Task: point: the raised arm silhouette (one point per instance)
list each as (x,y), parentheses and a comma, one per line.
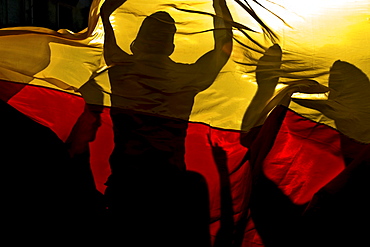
(347,103)
(144,191)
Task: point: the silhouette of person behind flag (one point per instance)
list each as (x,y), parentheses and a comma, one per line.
(152,97)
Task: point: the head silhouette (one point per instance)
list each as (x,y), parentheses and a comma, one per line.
(156,35)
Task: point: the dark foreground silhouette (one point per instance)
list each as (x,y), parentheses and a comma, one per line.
(45,196)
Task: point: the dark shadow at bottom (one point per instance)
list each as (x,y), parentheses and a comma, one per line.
(47,198)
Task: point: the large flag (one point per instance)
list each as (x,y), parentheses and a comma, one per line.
(251,129)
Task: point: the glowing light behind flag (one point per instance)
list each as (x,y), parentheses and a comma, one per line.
(319,33)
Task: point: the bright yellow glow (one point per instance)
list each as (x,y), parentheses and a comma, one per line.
(320,32)
(305,8)
(97,38)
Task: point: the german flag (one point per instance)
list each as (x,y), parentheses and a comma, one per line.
(198,123)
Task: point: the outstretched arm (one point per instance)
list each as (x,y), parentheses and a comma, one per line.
(223,28)
(112,52)
(214,60)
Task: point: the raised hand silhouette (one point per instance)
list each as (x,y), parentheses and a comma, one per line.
(347,104)
(267,77)
(268,73)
